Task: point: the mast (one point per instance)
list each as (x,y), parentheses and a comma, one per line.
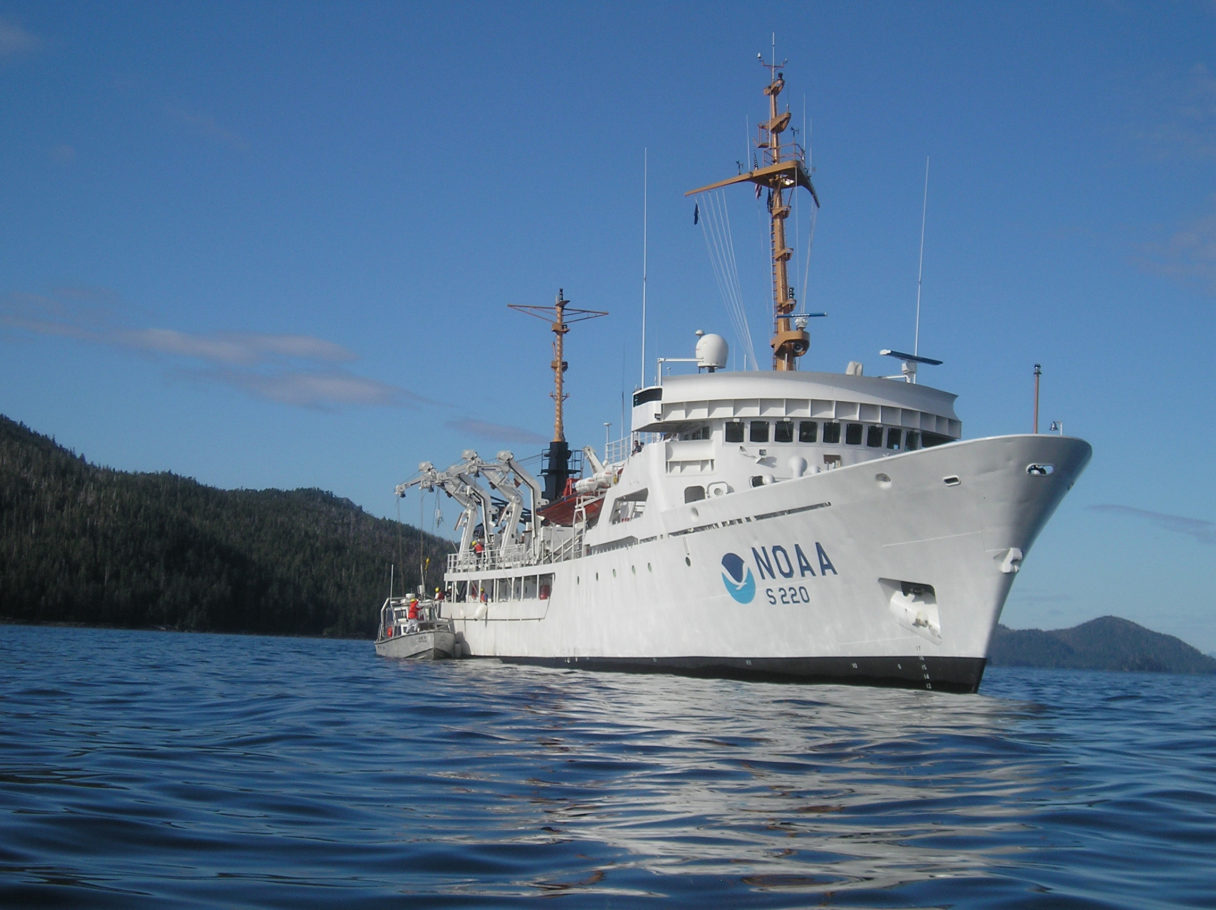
(782,169)
(557,469)
(559,365)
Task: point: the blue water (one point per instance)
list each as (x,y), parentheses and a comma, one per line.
(159,769)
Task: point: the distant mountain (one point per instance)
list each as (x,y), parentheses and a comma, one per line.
(1108,643)
(90,545)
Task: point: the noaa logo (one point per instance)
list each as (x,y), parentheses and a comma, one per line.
(738,579)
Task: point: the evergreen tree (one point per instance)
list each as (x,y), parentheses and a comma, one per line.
(90,545)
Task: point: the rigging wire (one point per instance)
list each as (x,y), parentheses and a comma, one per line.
(719,244)
(720,247)
(813,220)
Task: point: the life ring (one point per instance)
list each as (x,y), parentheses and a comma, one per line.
(544,592)
(388,633)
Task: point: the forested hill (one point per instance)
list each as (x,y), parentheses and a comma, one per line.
(85,544)
(1108,643)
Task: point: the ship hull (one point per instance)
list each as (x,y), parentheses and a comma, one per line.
(889,572)
(944,674)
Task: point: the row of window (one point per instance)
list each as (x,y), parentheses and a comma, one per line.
(873,436)
(525,587)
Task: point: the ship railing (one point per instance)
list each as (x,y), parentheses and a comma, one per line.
(570,548)
(786,151)
(617,450)
(395,614)
(492,558)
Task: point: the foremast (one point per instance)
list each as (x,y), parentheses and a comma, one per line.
(557,456)
(781,169)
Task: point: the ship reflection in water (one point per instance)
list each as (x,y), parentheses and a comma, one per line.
(676,787)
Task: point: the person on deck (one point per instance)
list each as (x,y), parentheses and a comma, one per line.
(412,615)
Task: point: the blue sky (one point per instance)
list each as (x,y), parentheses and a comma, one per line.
(272,244)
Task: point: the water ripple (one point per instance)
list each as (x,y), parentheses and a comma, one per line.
(195,770)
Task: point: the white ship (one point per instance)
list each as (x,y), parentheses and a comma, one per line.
(773,524)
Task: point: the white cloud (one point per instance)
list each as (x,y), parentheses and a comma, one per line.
(1199,112)
(496,432)
(15,40)
(72,313)
(1202,530)
(207,127)
(1189,254)
(234,347)
(1188,129)
(287,368)
(310,389)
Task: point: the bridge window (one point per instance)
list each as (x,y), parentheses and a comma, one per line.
(893,435)
(913,440)
(642,396)
(874,437)
(734,431)
(783,431)
(852,434)
(759,431)
(831,432)
(935,439)
(808,431)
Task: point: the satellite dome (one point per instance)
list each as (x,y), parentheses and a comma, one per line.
(711,352)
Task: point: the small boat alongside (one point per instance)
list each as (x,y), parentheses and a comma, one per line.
(411,630)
